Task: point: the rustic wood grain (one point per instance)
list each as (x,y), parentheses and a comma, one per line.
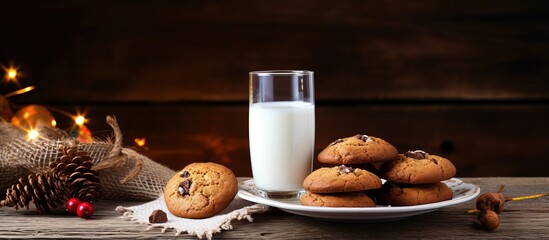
(203,50)
(465,80)
(521,219)
(480,139)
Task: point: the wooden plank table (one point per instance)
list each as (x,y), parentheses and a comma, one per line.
(521,219)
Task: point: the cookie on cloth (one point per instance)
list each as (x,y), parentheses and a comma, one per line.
(200,190)
(340,179)
(357,149)
(417,167)
(410,195)
(352,199)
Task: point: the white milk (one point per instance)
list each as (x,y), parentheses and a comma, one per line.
(281,144)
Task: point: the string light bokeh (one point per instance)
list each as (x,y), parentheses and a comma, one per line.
(11,73)
(34,118)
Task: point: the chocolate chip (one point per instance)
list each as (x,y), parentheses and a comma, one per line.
(184,174)
(158,216)
(337,141)
(362,137)
(345,170)
(417,154)
(184,188)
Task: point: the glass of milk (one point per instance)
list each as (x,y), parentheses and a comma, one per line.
(282,131)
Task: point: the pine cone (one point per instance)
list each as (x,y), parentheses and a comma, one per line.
(45,189)
(82,182)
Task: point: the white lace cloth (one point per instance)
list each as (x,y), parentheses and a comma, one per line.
(238,209)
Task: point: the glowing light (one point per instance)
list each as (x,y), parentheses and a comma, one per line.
(53,123)
(32,117)
(140,141)
(80,120)
(20,91)
(12,73)
(33,134)
(83,134)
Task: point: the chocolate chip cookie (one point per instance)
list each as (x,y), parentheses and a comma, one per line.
(358,149)
(340,179)
(409,195)
(353,199)
(417,167)
(200,190)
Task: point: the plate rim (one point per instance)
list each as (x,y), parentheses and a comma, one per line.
(287,205)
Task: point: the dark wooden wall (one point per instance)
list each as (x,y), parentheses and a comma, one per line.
(467,80)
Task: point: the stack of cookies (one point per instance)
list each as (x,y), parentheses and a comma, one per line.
(412,178)
(346,184)
(415,178)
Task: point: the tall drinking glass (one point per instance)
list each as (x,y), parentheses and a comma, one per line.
(282,131)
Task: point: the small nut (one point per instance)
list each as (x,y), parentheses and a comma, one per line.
(491,201)
(489,219)
(158,216)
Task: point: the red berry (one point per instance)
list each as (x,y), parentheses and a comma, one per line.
(85,210)
(72,204)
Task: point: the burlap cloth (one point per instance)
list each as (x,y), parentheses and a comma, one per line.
(238,209)
(124,174)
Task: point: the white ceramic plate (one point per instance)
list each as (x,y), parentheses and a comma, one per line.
(463,192)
